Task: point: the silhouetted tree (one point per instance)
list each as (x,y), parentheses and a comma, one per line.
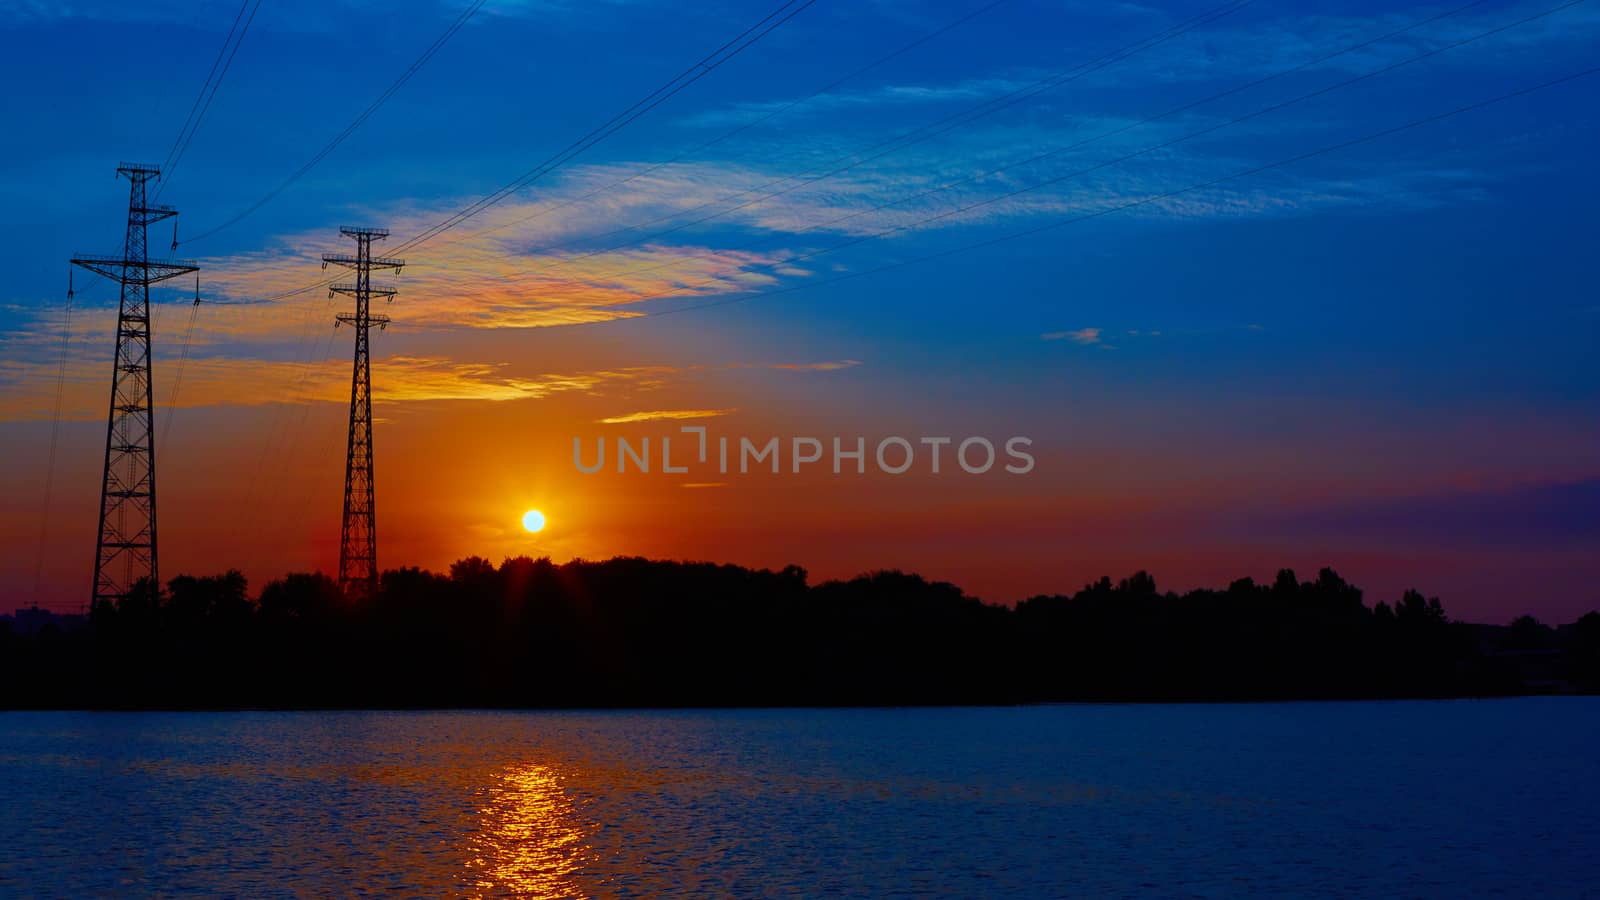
(632,631)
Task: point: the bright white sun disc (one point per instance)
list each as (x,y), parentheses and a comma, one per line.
(533,520)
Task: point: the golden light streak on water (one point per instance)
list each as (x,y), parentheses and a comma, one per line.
(531,842)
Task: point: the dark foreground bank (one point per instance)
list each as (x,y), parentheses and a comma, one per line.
(641,633)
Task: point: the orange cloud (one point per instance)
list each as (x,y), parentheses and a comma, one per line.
(667,414)
(480,280)
(253,382)
(819,366)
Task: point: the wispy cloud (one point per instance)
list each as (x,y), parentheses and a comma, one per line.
(525,264)
(27,386)
(832,366)
(29,394)
(713,227)
(658,414)
(1258,47)
(1084,336)
(878,97)
(486,281)
(557,261)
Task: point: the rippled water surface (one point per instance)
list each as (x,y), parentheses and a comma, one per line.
(1445,799)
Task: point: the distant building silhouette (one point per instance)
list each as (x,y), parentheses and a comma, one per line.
(30,621)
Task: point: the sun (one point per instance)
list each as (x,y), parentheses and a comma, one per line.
(533,520)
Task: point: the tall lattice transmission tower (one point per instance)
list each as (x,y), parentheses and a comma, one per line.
(125,549)
(358,537)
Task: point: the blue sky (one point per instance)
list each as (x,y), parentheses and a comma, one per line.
(1380,358)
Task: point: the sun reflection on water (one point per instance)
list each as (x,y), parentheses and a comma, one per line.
(530,842)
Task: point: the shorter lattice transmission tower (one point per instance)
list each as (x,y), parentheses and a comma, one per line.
(125,548)
(358,537)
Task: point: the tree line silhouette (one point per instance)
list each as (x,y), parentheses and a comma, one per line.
(637,632)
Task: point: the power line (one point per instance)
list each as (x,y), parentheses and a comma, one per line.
(273,507)
(306,357)
(735,132)
(771,22)
(284,428)
(811,255)
(1120,130)
(926,132)
(1143,201)
(416,65)
(180,146)
(895,144)
(689,76)
(170,167)
(744,40)
(183,358)
(55,431)
(399,82)
(1135,154)
(195,106)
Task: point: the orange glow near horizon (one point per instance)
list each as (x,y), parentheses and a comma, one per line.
(465,449)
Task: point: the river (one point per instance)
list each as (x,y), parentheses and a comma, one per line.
(1445,798)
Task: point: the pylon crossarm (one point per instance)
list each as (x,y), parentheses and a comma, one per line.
(352,289)
(118,268)
(355,262)
(154,214)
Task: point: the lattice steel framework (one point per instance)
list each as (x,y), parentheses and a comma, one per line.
(125,548)
(358,537)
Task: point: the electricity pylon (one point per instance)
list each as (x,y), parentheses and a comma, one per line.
(125,548)
(358,537)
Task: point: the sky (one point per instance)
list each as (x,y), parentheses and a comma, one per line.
(1264,284)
